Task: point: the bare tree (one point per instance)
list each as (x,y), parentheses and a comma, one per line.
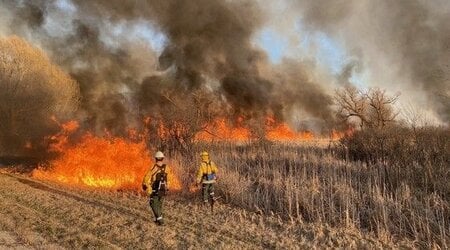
(175,114)
(373,108)
(187,115)
(352,103)
(414,117)
(381,111)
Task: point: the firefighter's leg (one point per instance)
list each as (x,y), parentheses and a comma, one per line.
(205,192)
(211,196)
(155,204)
(211,191)
(160,219)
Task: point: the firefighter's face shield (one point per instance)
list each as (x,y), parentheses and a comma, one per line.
(205,158)
(159,159)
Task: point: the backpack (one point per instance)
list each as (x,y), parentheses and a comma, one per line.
(159,186)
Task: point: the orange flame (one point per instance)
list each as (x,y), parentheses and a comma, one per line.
(28,145)
(61,140)
(220,129)
(194,188)
(337,135)
(113,163)
(282,132)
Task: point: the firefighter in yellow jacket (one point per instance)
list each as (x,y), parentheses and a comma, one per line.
(156,185)
(207,176)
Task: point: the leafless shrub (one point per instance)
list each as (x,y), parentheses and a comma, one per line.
(418,156)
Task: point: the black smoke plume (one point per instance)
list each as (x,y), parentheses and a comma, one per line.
(208,47)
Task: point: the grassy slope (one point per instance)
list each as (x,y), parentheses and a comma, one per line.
(45,215)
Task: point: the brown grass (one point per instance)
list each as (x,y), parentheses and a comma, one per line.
(398,189)
(44,215)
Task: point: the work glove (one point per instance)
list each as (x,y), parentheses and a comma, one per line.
(144,187)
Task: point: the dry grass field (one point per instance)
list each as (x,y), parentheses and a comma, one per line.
(392,183)
(384,189)
(43,215)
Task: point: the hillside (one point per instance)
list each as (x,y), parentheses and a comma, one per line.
(42,215)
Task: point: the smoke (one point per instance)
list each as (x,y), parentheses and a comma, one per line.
(209,40)
(213,40)
(208,47)
(405,44)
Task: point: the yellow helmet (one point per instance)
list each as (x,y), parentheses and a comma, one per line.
(204,153)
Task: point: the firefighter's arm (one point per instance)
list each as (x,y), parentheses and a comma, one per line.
(215,169)
(146,181)
(199,174)
(169,179)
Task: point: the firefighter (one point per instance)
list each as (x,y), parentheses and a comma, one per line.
(207,176)
(155,184)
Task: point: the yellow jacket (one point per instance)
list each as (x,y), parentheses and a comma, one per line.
(205,169)
(150,177)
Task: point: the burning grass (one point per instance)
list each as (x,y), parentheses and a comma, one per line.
(119,163)
(100,162)
(222,130)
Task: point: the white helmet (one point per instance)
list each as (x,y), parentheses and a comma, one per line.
(159,154)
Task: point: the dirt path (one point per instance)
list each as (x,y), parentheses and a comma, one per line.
(41,215)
